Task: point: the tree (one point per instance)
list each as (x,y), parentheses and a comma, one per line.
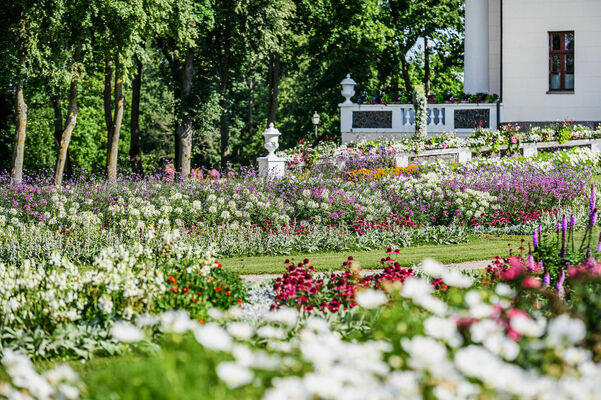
(135,150)
(244,30)
(188,23)
(119,25)
(61,62)
(21,27)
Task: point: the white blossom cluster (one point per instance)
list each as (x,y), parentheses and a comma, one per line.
(60,383)
(59,291)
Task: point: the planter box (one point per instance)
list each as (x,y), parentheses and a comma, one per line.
(462,155)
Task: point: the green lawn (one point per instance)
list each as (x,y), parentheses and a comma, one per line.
(482,248)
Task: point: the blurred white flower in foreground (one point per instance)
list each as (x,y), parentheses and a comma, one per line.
(233,374)
(370,298)
(126,332)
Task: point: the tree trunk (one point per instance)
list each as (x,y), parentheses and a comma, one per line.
(135,152)
(55,100)
(63,154)
(224,85)
(113,145)
(20,132)
(185,127)
(405,69)
(274,82)
(108,117)
(426,67)
(251,104)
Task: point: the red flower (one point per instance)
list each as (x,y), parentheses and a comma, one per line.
(172,279)
(185,290)
(174,289)
(218,289)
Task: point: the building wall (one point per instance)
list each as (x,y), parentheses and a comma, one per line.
(494,48)
(526,24)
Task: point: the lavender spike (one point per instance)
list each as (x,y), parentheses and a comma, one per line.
(560,281)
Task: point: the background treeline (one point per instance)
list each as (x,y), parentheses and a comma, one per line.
(136,84)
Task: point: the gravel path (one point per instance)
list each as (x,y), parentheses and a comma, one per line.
(480,264)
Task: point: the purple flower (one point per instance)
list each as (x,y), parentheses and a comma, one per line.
(572,221)
(593,220)
(562,278)
(591,203)
(547,279)
(564,225)
(535,239)
(530,264)
(558,227)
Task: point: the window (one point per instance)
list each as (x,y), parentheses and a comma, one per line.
(561,61)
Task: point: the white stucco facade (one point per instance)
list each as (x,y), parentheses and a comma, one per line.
(523,60)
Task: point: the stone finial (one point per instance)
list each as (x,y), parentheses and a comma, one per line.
(271,136)
(348,89)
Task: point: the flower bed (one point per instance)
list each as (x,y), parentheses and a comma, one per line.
(48,308)
(509,138)
(438,333)
(244,214)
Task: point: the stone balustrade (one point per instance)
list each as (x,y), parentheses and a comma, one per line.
(393,121)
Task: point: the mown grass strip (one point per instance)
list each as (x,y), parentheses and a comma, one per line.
(481,248)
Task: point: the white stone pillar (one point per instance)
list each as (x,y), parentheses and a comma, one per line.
(476,47)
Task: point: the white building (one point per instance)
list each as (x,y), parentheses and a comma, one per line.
(543,57)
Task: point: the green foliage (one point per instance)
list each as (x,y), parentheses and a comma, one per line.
(195,291)
(318,43)
(182,369)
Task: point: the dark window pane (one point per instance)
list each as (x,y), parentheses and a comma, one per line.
(555,63)
(569,41)
(556,41)
(569,64)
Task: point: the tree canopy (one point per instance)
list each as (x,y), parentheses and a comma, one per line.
(138,84)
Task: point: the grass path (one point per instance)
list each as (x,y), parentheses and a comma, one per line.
(482,248)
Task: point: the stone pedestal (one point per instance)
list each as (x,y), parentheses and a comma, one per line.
(464,155)
(401,160)
(529,150)
(272,166)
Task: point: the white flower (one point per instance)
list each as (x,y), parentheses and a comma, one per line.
(233,374)
(126,332)
(528,326)
(505,290)
(289,388)
(285,315)
(450,276)
(240,330)
(432,267)
(370,298)
(271,332)
(176,322)
(416,287)
(213,337)
(502,346)
(564,330)
(442,328)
